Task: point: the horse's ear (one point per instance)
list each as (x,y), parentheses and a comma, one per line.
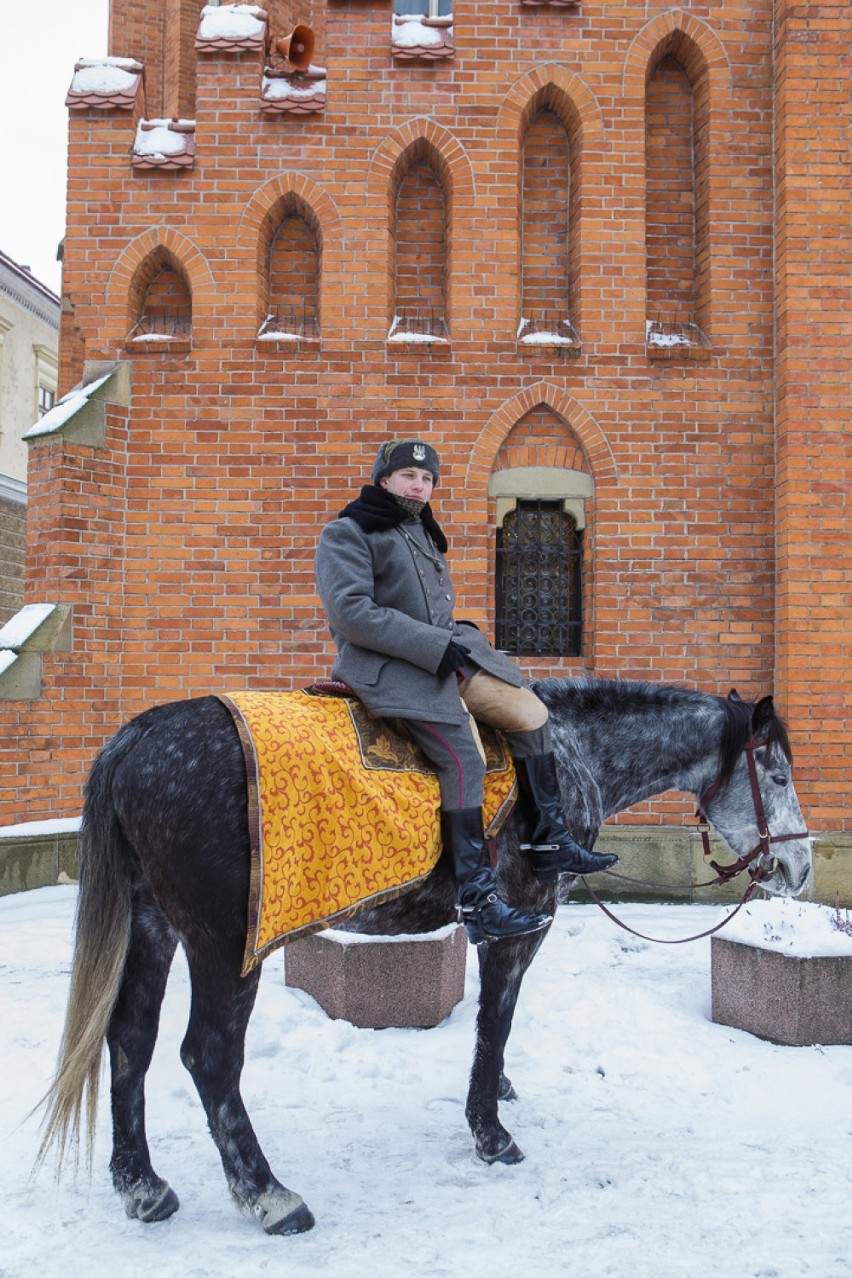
(762,716)
(733,695)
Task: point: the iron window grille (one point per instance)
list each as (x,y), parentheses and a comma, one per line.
(539,581)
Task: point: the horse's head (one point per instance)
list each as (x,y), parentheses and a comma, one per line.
(753,803)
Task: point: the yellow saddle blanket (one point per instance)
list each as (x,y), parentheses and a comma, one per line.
(343,811)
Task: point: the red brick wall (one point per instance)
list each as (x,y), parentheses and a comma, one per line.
(813,376)
(186,544)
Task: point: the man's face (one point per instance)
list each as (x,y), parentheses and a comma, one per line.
(411,481)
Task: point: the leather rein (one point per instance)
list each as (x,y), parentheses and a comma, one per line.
(759,861)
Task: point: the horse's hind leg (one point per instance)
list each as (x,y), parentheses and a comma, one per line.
(131,1036)
(213,1052)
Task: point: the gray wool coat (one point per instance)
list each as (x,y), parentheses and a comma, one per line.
(391,615)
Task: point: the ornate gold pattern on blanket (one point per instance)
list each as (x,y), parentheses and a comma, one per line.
(343,811)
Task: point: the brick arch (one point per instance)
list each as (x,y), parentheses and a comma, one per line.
(549,442)
(703,51)
(495,432)
(284,185)
(457,171)
(120,283)
(566,94)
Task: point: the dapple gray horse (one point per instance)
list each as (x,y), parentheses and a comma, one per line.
(165,861)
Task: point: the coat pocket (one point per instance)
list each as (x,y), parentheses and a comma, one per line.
(359,666)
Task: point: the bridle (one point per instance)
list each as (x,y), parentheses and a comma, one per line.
(759,861)
(761,853)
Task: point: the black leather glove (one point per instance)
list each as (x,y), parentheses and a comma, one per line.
(454,657)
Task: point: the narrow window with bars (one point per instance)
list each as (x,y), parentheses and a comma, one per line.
(539,581)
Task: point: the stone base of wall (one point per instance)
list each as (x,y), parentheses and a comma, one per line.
(661,855)
(37,860)
(381,982)
(784,998)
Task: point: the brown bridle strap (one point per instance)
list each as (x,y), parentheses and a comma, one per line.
(680,940)
(724,873)
(764,839)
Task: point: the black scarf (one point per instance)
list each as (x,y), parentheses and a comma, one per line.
(375,511)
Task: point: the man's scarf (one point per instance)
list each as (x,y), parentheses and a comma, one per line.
(376,510)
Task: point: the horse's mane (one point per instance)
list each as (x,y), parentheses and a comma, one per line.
(616,696)
(737,730)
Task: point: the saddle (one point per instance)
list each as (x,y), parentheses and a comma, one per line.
(343,809)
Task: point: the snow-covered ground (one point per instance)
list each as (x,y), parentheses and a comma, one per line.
(658,1144)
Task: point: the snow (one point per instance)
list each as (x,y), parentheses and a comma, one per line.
(231,21)
(154,137)
(26,829)
(277,87)
(658,1144)
(25,623)
(546,339)
(411,32)
(101,78)
(66,408)
(7,659)
(799,928)
(127,64)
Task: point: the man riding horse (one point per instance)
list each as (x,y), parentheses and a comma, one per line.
(386,590)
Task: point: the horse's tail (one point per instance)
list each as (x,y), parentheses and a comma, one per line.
(102,936)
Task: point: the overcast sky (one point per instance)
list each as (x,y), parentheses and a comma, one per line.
(39,44)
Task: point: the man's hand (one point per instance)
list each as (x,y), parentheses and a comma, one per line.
(454,657)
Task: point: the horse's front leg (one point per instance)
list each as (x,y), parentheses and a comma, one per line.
(213,1052)
(501,969)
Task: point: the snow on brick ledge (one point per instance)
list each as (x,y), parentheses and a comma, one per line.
(106,83)
(413,36)
(299,93)
(230,28)
(164,144)
(782,970)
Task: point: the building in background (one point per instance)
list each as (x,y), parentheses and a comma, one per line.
(598,253)
(29,355)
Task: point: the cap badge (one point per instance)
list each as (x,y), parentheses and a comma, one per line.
(419,452)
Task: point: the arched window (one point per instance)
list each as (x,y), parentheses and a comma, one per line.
(549,204)
(676,257)
(420,219)
(160,298)
(289,266)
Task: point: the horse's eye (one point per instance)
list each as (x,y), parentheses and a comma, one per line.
(778,778)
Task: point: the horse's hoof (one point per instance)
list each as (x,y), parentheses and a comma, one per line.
(506,1091)
(159,1205)
(284,1213)
(508,1152)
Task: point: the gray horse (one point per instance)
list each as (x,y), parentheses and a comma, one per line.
(165,861)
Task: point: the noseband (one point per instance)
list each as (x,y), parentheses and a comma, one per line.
(762,852)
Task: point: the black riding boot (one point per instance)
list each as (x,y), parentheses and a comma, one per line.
(484,914)
(553,850)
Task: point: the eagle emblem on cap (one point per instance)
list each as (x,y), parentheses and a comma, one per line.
(419,452)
